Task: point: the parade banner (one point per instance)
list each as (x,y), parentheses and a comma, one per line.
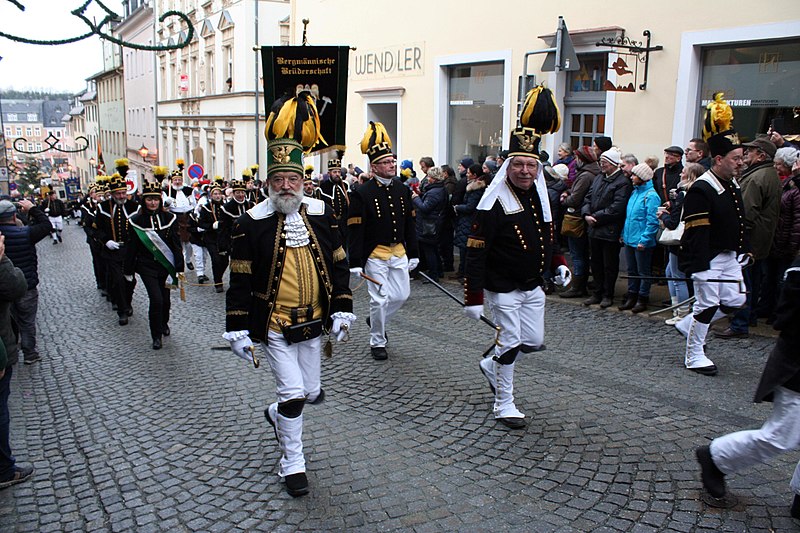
(320,70)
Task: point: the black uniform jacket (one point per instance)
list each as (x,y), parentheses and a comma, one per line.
(335,195)
(231,210)
(258,255)
(713,215)
(509,246)
(88,215)
(783,365)
(112,221)
(211,212)
(380,215)
(139,258)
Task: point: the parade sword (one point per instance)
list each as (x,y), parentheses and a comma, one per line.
(667,278)
(462,304)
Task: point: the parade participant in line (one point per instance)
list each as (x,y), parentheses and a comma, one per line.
(333,192)
(713,245)
(114,231)
(55,210)
(211,221)
(155,254)
(88,215)
(509,249)
(179,199)
(780,384)
(289,283)
(383,237)
(232,210)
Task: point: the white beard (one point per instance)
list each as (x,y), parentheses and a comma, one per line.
(284,203)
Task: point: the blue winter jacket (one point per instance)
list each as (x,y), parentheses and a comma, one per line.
(641,219)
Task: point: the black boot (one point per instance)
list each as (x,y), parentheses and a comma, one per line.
(594,299)
(576,289)
(641,304)
(157,343)
(630,302)
(712,477)
(795,510)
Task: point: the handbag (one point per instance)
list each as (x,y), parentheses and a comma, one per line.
(429,230)
(672,237)
(573,226)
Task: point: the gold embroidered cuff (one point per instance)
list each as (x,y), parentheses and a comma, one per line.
(697,223)
(475,243)
(352,221)
(241,266)
(339,254)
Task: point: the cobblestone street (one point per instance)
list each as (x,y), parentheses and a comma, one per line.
(124,438)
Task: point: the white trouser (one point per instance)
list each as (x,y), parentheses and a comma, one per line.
(188,251)
(708,295)
(57,223)
(199,253)
(296,367)
(385,301)
(520,315)
(780,433)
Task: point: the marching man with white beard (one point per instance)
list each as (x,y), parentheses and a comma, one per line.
(289,282)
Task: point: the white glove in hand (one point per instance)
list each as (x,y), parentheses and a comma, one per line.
(215,225)
(745,260)
(129,279)
(46,210)
(168,201)
(563,276)
(356,270)
(112,245)
(413,263)
(241,348)
(473,311)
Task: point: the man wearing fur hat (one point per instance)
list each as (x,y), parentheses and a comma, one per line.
(112,223)
(509,249)
(288,285)
(383,237)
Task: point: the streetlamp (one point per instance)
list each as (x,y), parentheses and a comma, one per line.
(143,151)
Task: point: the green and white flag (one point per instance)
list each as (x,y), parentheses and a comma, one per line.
(153,242)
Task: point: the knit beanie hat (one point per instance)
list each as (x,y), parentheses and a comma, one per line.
(586,154)
(612,156)
(642,171)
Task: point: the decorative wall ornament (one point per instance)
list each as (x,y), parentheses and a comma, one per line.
(639,50)
(52,144)
(99,29)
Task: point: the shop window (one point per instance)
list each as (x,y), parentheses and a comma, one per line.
(475,114)
(760,83)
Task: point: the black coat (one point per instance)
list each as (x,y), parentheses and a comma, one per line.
(465,212)
(666,179)
(141,260)
(21,243)
(430,207)
(783,366)
(258,257)
(607,201)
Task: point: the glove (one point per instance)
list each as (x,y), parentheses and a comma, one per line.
(473,311)
(563,276)
(112,245)
(215,225)
(128,278)
(168,201)
(357,271)
(240,344)
(46,210)
(413,263)
(745,260)
(341,325)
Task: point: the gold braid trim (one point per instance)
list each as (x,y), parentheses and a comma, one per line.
(241,266)
(475,243)
(339,254)
(343,297)
(352,221)
(237,313)
(262,295)
(697,223)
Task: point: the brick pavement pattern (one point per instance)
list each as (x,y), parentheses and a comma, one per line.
(125,438)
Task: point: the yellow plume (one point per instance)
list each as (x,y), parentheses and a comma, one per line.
(540,112)
(295,118)
(375,134)
(718,117)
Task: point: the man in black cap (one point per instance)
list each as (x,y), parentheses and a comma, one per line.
(383,238)
(667,177)
(601,144)
(713,246)
(761,194)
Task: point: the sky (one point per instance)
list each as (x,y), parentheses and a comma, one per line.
(59,68)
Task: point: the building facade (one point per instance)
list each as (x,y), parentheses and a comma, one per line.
(449,84)
(209,93)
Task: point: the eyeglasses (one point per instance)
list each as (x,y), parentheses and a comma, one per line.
(386,162)
(687,150)
(293,180)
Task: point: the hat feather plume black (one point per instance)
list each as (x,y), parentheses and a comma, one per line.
(295,118)
(540,112)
